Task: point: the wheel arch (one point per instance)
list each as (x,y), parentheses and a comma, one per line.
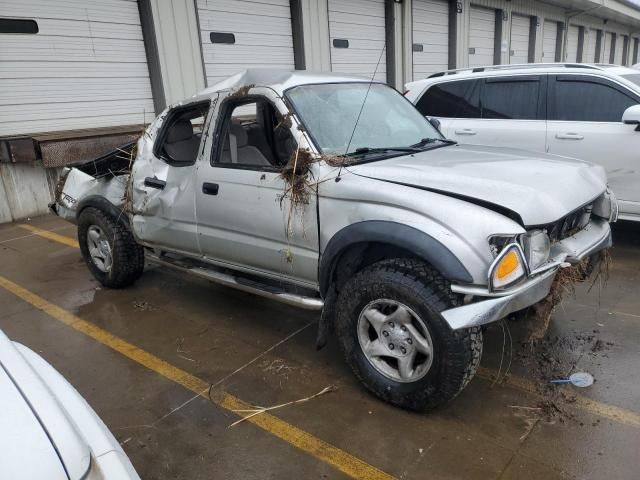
(101,203)
(351,244)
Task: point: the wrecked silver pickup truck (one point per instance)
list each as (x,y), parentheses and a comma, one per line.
(333,193)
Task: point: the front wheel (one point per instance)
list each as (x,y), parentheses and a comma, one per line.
(109,249)
(395,340)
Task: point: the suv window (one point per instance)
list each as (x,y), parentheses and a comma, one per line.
(255,135)
(511,98)
(588,100)
(459,99)
(180,138)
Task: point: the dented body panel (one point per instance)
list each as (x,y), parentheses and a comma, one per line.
(244,219)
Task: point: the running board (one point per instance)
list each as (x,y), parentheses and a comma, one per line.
(239,283)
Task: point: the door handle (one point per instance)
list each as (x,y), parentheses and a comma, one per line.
(210,188)
(154,183)
(569,136)
(466,131)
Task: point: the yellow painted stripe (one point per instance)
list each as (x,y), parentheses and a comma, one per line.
(68,241)
(605,410)
(341,460)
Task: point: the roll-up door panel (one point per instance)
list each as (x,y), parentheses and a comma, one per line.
(260,36)
(549,41)
(430,37)
(573,36)
(357,37)
(86,67)
(591,39)
(482,30)
(519,49)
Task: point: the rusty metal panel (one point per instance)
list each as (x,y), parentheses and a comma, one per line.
(18,150)
(58,153)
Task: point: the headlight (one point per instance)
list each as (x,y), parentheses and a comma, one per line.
(606,206)
(508,268)
(537,248)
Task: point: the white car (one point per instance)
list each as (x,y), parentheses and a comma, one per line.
(47,430)
(590,112)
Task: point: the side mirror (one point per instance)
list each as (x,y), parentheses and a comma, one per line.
(631,116)
(436,123)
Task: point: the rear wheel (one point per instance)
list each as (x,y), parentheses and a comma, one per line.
(109,249)
(395,340)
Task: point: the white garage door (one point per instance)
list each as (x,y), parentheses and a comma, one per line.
(619,49)
(591,38)
(241,34)
(606,55)
(520,26)
(573,35)
(549,41)
(357,37)
(86,67)
(482,30)
(430,37)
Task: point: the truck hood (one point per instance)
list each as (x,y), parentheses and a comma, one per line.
(537,188)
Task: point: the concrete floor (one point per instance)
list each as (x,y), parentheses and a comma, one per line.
(211,332)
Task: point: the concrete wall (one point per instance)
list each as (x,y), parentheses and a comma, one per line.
(26,189)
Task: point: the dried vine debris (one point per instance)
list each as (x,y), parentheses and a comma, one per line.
(596,269)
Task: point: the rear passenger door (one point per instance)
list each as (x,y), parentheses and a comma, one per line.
(585,122)
(512,113)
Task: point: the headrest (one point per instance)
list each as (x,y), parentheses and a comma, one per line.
(238,131)
(180,131)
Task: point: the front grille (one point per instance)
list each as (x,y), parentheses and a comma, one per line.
(569,225)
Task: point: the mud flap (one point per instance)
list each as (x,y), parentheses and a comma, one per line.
(327,317)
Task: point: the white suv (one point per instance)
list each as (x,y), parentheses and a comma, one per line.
(590,112)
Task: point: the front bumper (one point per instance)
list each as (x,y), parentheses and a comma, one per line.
(594,237)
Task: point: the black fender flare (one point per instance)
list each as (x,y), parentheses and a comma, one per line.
(398,235)
(101,203)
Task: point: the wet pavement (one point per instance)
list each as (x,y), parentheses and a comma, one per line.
(512,427)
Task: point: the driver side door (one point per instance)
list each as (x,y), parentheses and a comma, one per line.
(245,218)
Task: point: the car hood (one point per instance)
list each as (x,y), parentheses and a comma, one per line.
(25,449)
(37,439)
(538,188)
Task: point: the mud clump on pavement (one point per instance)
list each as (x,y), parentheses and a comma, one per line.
(556,358)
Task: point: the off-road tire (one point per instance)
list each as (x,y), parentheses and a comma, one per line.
(457,353)
(128,256)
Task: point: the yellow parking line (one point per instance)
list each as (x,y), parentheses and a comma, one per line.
(605,410)
(68,241)
(341,460)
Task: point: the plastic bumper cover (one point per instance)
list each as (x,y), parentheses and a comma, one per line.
(594,237)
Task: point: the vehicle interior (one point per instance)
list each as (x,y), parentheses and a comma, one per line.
(183,135)
(256,135)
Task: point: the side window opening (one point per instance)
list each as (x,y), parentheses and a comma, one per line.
(460,99)
(254,135)
(181,138)
(510,99)
(586,100)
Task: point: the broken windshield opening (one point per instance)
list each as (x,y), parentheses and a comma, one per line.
(346,117)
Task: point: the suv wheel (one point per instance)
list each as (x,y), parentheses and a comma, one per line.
(395,340)
(109,249)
